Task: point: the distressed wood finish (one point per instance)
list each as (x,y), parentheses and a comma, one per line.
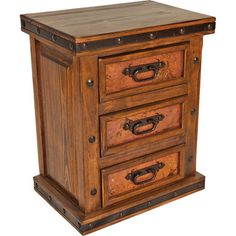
(117,187)
(114,138)
(61,202)
(90,122)
(54,76)
(115,20)
(112,145)
(38,106)
(117,135)
(114,83)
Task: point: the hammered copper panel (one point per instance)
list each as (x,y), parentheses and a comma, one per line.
(116,81)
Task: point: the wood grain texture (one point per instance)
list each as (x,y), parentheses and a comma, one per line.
(193,107)
(146,148)
(57,102)
(34,46)
(89,120)
(116,187)
(100,21)
(139,100)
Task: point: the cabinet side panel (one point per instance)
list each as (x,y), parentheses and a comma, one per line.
(55,70)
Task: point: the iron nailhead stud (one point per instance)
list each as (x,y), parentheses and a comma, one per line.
(93,192)
(193,111)
(90,83)
(91,139)
(190,158)
(196,60)
(126,126)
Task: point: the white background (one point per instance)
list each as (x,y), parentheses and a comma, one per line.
(211,211)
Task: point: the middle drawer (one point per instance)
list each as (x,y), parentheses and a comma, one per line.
(134,128)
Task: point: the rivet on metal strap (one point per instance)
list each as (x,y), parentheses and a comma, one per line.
(71,46)
(36,185)
(64,211)
(54,37)
(152,36)
(38,30)
(200,185)
(79,225)
(119,40)
(175,194)
(182,31)
(22,23)
(84,46)
(209,26)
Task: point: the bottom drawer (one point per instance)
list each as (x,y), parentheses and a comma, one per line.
(134,177)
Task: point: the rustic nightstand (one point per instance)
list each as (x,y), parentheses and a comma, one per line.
(116,98)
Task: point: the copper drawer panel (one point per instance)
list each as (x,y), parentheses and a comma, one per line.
(131,178)
(134,128)
(142,71)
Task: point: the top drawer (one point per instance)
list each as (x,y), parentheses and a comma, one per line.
(144,71)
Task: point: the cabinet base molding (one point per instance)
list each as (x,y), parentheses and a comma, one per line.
(87,223)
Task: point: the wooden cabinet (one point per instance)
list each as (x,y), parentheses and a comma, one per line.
(116,100)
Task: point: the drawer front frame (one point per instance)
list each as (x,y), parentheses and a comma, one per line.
(141,142)
(105,96)
(108,200)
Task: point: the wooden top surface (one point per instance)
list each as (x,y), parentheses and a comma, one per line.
(103,20)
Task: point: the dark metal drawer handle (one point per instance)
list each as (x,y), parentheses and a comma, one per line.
(134,176)
(133,71)
(133,126)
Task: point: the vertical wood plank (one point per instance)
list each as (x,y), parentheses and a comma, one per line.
(193,104)
(38,106)
(90,128)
